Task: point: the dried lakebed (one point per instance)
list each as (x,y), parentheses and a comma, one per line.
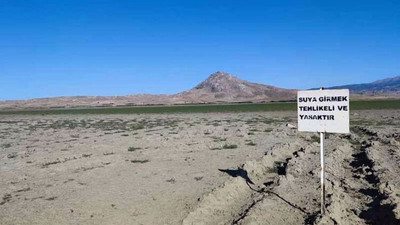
(222,168)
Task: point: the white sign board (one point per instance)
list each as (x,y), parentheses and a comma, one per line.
(323,111)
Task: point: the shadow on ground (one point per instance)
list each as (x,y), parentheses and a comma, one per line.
(238,173)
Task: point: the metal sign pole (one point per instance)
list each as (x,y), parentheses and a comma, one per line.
(322,137)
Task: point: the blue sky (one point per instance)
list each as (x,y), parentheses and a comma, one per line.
(111,47)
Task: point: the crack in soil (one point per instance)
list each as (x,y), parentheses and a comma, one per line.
(281,167)
(363,166)
(246,211)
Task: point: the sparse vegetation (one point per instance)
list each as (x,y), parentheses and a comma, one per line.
(46,164)
(6,198)
(86,155)
(272,170)
(229,146)
(6,145)
(251,143)
(140,161)
(172,180)
(218,139)
(315,138)
(132,149)
(12,155)
(51,198)
(355,144)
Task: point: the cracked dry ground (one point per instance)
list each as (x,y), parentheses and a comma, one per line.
(362,181)
(362,187)
(227,168)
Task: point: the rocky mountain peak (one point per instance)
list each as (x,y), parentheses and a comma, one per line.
(225,87)
(220,82)
(221,75)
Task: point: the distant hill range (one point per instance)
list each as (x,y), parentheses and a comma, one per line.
(385,86)
(219,87)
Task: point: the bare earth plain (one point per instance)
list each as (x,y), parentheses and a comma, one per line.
(211,168)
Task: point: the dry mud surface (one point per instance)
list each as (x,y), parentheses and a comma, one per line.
(239,168)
